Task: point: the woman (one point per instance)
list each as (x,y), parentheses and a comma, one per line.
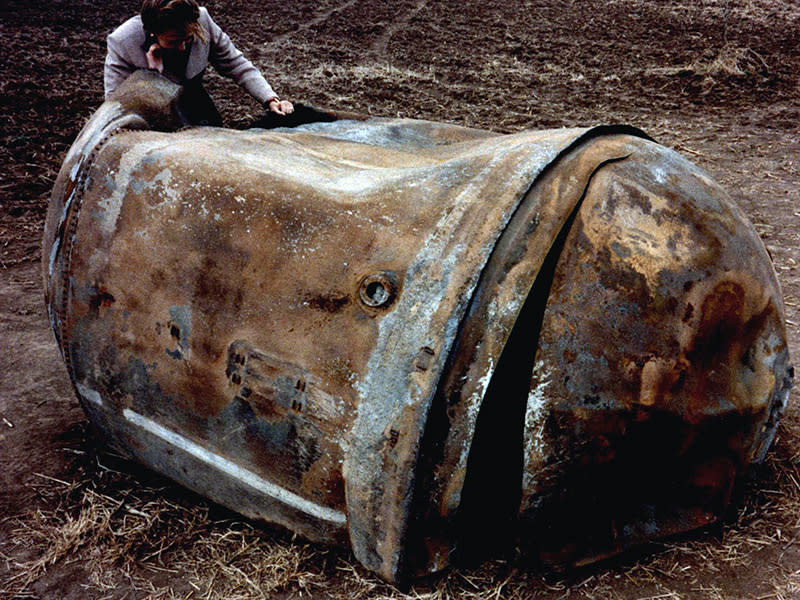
(179,39)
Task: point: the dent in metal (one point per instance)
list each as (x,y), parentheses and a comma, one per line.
(354,328)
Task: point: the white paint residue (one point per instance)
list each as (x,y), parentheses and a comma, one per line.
(246,477)
(89,394)
(53,254)
(171,195)
(535,418)
(91,136)
(658,173)
(502,309)
(473,406)
(483,382)
(130,161)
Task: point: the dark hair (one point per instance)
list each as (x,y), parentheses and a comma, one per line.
(159,16)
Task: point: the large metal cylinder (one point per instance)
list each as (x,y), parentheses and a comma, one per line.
(355,329)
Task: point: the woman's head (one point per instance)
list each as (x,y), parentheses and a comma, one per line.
(175,19)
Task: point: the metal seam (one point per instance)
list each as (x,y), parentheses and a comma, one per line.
(68,243)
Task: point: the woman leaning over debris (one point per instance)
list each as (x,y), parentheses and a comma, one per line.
(179,39)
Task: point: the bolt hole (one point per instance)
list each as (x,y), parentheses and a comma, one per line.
(377,293)
(378,290)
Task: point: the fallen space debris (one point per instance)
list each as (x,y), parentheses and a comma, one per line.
(423,339)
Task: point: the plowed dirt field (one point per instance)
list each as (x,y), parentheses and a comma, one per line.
(717,80)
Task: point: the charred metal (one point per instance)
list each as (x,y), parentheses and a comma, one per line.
(355,328)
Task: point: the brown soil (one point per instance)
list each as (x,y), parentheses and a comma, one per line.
(715,79)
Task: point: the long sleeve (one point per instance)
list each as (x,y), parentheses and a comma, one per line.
(115,69)
(124,53)
(230,62)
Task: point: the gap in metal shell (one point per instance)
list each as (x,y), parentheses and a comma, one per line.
(493,485)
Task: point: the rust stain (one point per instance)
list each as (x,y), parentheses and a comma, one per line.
(361,335)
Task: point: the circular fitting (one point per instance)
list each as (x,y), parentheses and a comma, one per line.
(378,290)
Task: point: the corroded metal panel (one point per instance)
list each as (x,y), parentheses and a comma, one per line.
(348,328)
(661,367)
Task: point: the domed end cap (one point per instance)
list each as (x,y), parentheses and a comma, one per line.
(662,365)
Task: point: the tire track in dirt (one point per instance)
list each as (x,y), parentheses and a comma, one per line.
(380,46)
(305,26)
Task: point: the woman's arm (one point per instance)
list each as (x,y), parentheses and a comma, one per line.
(124,53)
(115,69)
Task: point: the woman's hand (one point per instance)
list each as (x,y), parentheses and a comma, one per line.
(154,60)
(281,107)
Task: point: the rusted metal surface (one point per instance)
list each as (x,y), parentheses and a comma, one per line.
(351,328)
(661,367)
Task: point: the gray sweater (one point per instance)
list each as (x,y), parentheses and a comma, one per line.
(126,54)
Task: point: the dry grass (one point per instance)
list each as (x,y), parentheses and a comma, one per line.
(757,10)
(148,539)
(731,60)
(139,533)
(19,237)
(373,74)
(131,535)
